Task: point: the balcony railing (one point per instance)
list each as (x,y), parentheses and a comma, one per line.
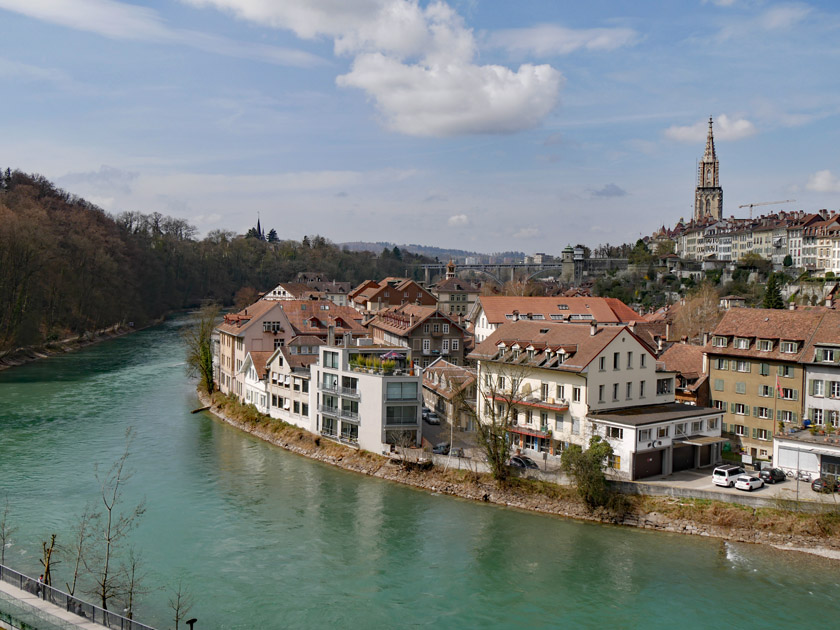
(349,391)
(346,414)
(330,388)
(333,411)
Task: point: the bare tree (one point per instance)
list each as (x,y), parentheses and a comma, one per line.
(198,339)
(7,530)
(180,601)
(82,534)
(47,560)
(135,574)
(115,527)
(499,391)
(700,313)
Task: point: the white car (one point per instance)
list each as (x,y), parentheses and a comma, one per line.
(748,483)
(725,475)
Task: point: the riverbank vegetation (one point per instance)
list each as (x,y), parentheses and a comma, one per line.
(783,526)
(68,267)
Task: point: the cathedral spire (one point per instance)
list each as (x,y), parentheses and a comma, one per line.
(709,155)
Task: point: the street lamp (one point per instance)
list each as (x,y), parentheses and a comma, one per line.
(191,622)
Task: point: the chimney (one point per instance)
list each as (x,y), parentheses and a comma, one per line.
(659,346)
(411,320)
(593,328)
(684,339)
(632,327)
(667,330)
(793,306)
(348,339)
(516,316)
(705,338)
(330,335)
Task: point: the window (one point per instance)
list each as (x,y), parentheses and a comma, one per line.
(444,346)
(741,343)
(664,386)
(425,328)
(713,424)
(721,364)
(456,345)
(817,388)
(304,409)
(296,384)
(765,345)
(601,393)
(718,386)
(786,371)
(742,366)
(304,386)
(446,329)
(615,391)
(740,388)
(765,390)
(786,416)
(762,434)
(402,391)
(817,416)
(629,393)
(576,394)
(400,415)
(558,421)
(696,426)
(764,412)
(427,345)
(644,435)
(602,364)
(662,432)
(350,432)
(719,342)
(615,432)
(764,369)
(501,382)
(720,404)
(789,394)
(835,389)
(435,328)
(297,407)
(789,347)
(331,360)
(616,360)
(629,360)
(561,392)
(834,418)
(614,462)
(329,381)
(739,429)
(642,359)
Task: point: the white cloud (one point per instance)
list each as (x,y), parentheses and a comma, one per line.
(106,180)
(553,39)
(416,63)
(458,220)
(725,128)
(823,181)
(526,232)
(16,70)
(783,17)
(118,20)
(720,3)
(609,190)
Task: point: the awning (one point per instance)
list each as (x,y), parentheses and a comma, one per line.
(701,440)
(531,432)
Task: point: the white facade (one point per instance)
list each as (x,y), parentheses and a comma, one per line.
(254,385)
(822,389)
(289,389)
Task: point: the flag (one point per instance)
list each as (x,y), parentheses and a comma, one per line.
(778,386)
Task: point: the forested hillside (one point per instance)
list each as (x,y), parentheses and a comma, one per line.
(67,267)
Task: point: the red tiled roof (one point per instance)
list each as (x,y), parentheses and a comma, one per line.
(602,310)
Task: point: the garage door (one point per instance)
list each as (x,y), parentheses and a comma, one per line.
(647,464)
(683,457)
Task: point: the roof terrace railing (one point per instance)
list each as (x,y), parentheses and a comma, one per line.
(72,604)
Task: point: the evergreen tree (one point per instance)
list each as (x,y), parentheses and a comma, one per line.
(788,261)
(272,236)
(773,293)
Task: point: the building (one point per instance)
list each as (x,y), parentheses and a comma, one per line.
(425,330)
(813,454)
(371,296)
(366,396)
(565,383)
(254,377)
(756,373)
(490,312)
(455,296)
(289,381)
(821,360)
(335,292)
(292,291)
(450,391)
(689,363)
(708,195)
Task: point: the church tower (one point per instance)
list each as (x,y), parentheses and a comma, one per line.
(708,196)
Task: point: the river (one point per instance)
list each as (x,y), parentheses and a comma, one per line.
(267,539)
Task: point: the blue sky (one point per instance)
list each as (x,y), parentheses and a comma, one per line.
(472,124)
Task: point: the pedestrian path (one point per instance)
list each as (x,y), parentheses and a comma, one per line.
(37,613)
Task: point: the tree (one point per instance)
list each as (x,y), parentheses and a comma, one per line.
(82,533)
(773,294)
(7,530)
(198,339)
(180,601)
(640,254)
(115,526)
(586,468)
(272,236)
(47,560)
(135,574)
(700,313)
(788,261)
(245,297)
(499,392)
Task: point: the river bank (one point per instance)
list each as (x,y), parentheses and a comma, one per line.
(810,533)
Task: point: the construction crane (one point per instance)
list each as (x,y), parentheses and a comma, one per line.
(765,203)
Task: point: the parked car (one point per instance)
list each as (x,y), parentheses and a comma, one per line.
(441,449)
(520,461)
(456,452)
(748,483)
(772,475)
(432,418)
(825,484)
(725,475)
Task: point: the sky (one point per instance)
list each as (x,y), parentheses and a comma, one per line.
(471,124)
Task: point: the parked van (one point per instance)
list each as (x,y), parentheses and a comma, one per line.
(727,474)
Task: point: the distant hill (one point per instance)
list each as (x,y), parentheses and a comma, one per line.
(442,254)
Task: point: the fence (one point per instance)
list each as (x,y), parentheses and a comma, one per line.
(72,604)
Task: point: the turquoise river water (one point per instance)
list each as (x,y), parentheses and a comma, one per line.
(268,539)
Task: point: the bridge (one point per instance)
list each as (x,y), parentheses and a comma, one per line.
(27,603)
(576,269)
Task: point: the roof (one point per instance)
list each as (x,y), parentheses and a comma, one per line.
(453,285)
(297,361)
(447,379)
(766,323)
(652,414)
(237,323)
(684,358)
(826,333)
(402,320)
(302,314)
(260,360)
(603,310)
(579,347)
(306,340)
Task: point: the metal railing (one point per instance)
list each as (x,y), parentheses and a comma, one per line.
(349,415)
(349,391)
(68,602)
(333,411)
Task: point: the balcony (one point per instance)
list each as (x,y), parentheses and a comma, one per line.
(329,388)
(331,411)
(346,414)
(350,392)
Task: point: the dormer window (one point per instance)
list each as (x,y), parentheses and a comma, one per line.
(789,347)
(741,343)
(765,345)
(719,342)
(827,355)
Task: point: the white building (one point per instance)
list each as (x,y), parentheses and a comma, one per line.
(367,396)
(289,381)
